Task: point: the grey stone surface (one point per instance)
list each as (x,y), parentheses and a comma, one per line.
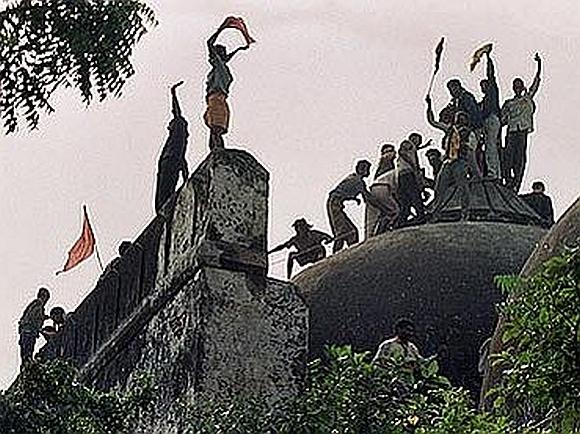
(191,306)
(440,275)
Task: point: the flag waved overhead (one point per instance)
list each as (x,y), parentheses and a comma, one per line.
(83,248)
(238,23)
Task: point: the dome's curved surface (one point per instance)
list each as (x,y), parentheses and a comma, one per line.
(440,275)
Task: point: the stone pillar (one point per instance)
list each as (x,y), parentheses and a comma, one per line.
(219,328)
(220,218)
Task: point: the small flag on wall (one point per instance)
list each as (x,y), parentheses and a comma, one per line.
(83,248)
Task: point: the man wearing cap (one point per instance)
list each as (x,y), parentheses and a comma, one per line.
(30,325)
(343,229)
(308,245)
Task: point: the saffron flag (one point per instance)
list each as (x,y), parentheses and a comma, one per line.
(476,58)
(438,52)
(238,23)
(83,248)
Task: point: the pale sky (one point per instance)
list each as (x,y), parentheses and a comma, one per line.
(325,84)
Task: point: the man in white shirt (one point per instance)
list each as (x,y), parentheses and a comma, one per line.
(384,190)
(400,349)
(517,114)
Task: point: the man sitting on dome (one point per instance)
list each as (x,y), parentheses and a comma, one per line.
(540,202)
(343,229)
(384,190)
(400,349)
(308,245)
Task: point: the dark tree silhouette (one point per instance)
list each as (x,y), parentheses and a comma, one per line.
(49,44)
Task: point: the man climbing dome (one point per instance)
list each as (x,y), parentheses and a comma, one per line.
(384,190)
(308,244)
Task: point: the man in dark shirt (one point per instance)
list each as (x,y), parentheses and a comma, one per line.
(308,245)
(30,325)
(491,113)
(172,160)
(464,101)
(343,229)
(540,202)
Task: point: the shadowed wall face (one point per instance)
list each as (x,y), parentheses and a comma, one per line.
(190,304)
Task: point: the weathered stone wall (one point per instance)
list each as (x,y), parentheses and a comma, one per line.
(201,318)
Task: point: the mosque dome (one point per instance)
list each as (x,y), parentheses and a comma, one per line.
(438,274)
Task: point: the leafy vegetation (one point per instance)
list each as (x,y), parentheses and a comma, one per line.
(346,394)
(48,399)
(49,44)
(541,363)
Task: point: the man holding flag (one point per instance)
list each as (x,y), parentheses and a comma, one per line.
(219,79)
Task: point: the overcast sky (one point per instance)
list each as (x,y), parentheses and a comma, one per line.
(325,84)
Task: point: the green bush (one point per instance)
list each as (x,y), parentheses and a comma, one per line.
(48,399)
(540,384)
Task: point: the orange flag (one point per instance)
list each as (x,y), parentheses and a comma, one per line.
(83,248)
(238,23)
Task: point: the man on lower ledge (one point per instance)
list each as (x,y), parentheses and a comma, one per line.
(308,245)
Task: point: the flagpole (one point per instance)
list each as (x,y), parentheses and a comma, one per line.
(97,253)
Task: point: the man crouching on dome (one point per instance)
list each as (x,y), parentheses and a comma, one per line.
(400,349)
(343,229)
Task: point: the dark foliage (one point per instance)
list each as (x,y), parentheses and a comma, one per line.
(49,44)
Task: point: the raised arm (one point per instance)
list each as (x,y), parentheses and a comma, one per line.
(536,83)
(282,246)
(175,108)
(233,53)
(213,38)
(431,116)
(490,69)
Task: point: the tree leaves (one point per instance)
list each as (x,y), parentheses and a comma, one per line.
(541,366)
(49,44)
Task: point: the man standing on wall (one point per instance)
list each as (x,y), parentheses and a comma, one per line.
(518,114)
(30,325)
(172,160)
(219,79)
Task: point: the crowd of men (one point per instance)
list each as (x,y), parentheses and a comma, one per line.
(471,149)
